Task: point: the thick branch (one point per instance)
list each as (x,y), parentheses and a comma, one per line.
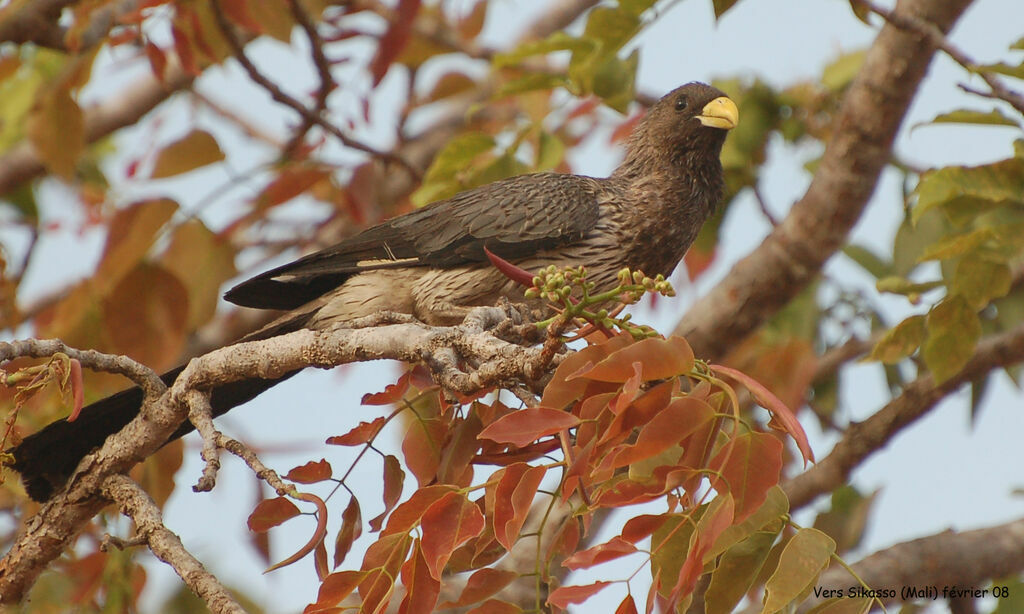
(59,521)
(137,505)
(793,254)
(966,560)
(864,438)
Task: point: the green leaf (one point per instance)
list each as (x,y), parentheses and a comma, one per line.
(1019,44)
(979,280)
(998,183)
(900,341)
(615,81)
(957,245)
(559,41)
(910,289)
(860,11)
(450,166)
(531,82)
(953,331)
(721,6)
(611,28)
(1002,69)
(57,130)
(995,117)
(868,260)
(840,72)
(736,571)
(550,151)
(636,7)
(803,558)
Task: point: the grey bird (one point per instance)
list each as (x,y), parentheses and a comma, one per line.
(432,262)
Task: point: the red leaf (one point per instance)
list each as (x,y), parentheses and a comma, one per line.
(661,358)
(512,500)
(516,274)
(450,522)
(272,512)
(422,447)
(567,539)
(565,595)
(395,39)
(717,518)
(563,389)
(351,529)
(523,427)
(359,435)
(747,467)
(783,418)
(639,527)
(320,561)
(290,183)
(408,514)
(394,480)
(627,606)
(392,393)
(640,411)
(337,586)
(311,472)
(680,419)
(481,585)
(421,589)
(184,48)
(612,549)
(157,60)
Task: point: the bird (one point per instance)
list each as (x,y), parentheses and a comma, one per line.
(433,262)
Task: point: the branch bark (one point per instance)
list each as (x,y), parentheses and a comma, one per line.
(444,349)
(947,560)
(792,256)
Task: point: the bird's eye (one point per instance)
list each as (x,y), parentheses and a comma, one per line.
(680,104)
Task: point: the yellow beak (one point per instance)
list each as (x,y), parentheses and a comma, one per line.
(720,113)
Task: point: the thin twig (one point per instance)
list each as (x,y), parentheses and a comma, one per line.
(939,40)
(323,69)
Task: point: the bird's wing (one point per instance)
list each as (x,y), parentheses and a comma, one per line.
(513,218)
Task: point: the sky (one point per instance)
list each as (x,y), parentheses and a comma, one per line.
(942,473)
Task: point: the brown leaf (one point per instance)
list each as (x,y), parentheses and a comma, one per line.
(747,467)
(661,358)
(337,586)
(394,479)
(448,523)
(513,498)
(563,596)
(408,514)
(421,588)
(395,39)
(481,585)
(196,149)
(351,529)
(392,393)
(361,434)
(612,549)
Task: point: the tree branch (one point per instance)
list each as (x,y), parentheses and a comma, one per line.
(136,504)
(445,349)
(862,439)
(949,559)
(792,256)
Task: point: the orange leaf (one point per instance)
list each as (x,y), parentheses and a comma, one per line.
(361,434)
(77,384)
(513,498)
(527,425)
(481,585)
(565,595)
(683,417)
(184,48)
(422,446)
(272,512)
(640,411)
(351,529)
(392,393)
(783,418)
(421,589)
(157,60)
(495,606)
(290,183)
(337,586)
(394,479)
(612,549)
(383,560)
(311,472)
(748,466)
(661,358)
(408,514)
(563,389)
(451,521)
(194,150)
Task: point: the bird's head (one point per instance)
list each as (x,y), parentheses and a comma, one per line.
(690,119)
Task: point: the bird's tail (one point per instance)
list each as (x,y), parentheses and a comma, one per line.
(47,459)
